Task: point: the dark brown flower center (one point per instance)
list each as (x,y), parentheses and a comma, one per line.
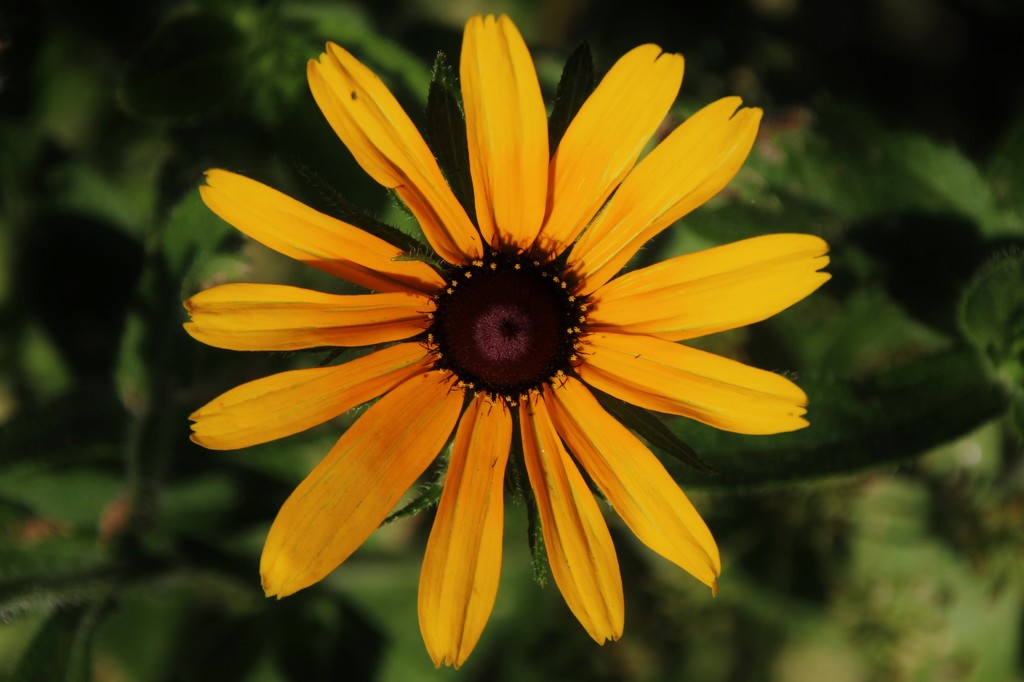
(505,325)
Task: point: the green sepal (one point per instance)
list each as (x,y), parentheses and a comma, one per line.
(649,427)
(427,499)
(350,213)
(517,484)
(446,133)
(538,552)
(574,87)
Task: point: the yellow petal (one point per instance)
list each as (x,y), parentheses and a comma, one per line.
(507,130)
(706,292)
(664,376)
(290,402)
(296,230)
(360,480)
(634,482)
(689,167)
(384,141)
(576,537)
(277,317)
(606,137)
(462,563)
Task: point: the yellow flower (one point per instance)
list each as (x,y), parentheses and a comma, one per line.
(525,315)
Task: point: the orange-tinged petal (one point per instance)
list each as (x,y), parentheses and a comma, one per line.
(634,482)
(579,547)
(606,137)
(689,167)
(361,479)
(507,131)
(282,404)
(709,291)
(386,143)
(462,563)
(660,375)
(278,317)
(296,230)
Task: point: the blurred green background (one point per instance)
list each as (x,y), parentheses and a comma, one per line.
(885,542)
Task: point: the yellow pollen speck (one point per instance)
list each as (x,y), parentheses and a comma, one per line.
(430,316)
(449,290)
(572,299)
(494,266)
(582,319)
(478,263)
(455,282)
(555,279)
(573,357)
(583,306)
(576,330)
(468,274)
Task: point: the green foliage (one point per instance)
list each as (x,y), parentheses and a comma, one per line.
(192,67)
(992,317)
(856,424)
(882,542)
(992,311)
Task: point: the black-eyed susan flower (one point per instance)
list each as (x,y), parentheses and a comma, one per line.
(510,334)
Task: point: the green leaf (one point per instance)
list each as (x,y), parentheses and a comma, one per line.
(192,235)
(992,314)
(350,213)
(189,70)
(45,491)
(352,26)
(446,133)
(855,425)
(37,556)
(851,164)
(653,430)
(1006,169)
(574,87)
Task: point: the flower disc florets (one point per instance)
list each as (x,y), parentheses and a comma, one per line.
(505,324)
